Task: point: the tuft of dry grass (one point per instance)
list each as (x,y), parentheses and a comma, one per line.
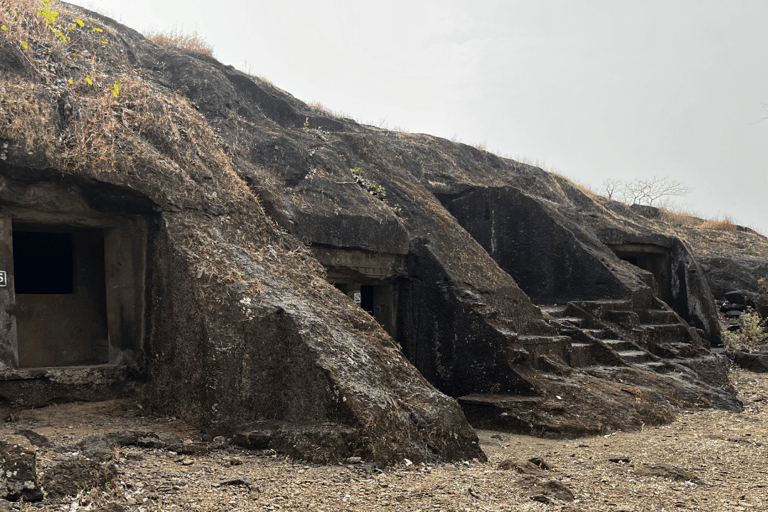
(685,218)
(581,187)
(680,217)
(333,113)
(722,224)
(175,39)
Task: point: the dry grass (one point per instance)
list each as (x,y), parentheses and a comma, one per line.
(680,217)
(686,218)
(66,113)
(581,187)
(20,21)
(722,224)
(316,105)
(176,39)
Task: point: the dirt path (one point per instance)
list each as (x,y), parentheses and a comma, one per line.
(708,460)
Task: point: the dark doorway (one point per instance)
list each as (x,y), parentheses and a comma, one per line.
(366,299)
(43,262)
(61,305)
(653,259)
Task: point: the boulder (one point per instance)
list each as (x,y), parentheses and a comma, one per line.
(753,361)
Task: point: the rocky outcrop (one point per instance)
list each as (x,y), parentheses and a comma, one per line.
(735,263)
(218,196)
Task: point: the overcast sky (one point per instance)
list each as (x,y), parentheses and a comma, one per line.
(592,89)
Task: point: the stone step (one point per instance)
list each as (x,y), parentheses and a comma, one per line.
(634,356)
(575,320)
(656,366)
(537,346)
(657,316)
(672,350)
(554,311)
(600,308)
(667,332)
(533,340)
(598,333)
(581,355)
(626,319)
(620,344)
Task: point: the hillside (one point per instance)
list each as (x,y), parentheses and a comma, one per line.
(317,286)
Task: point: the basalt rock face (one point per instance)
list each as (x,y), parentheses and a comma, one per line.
(450,248)
(735,265)
(237,324)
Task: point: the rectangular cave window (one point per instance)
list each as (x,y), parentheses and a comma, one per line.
(61,298)
(43,262)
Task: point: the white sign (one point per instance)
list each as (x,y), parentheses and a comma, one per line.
(358,297)
(3,279)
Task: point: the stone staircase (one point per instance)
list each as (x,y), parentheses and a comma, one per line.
(602,339)
(643,337)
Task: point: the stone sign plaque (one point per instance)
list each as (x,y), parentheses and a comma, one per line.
(358,298)
(3,279)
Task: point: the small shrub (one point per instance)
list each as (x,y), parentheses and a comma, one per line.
(751,332)
(378,191)
(372,188)
(176,39)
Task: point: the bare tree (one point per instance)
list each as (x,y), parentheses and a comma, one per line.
(612,186)
(652,190)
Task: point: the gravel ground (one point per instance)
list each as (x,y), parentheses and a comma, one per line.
(705,460)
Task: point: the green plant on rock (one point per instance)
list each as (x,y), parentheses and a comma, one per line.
(375,190)
(750,334)
(378,191)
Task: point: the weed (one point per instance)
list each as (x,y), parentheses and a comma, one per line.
(375,190)
(378,191)
(750,334)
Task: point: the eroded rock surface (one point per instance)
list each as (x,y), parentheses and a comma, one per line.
(342,284)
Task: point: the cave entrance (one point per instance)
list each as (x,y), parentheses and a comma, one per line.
(651,258)
(374,296)
(74,288)
(369,279)
(61,311)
